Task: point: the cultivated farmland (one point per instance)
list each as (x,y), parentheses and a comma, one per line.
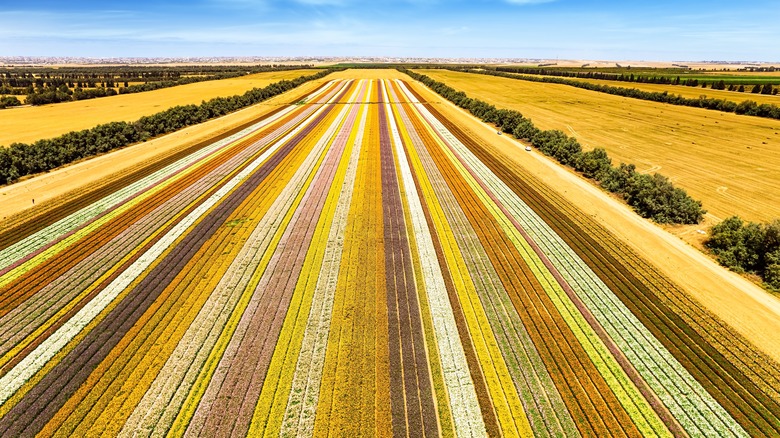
(730,162)
(686,91)
(25,124)
(356,265)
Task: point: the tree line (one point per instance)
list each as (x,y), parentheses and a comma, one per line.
(22,77)
(747,107)
(720,84)
(45,88)
(20,159)
(64,94)
(651,196)
(748,247)
(9,101)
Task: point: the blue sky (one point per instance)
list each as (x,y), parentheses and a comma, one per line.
(568,29)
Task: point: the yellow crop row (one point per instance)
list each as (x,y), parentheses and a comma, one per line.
(377,392)
(349,404)
(213,258)
(636,405)
(507,404)
(189,406)
(269,411)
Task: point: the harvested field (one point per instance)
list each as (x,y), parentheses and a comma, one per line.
(729,162)
(689,92)
(358,265)
(24,125)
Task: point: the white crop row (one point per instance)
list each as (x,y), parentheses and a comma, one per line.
(466,413)
(688,401)
(57,230)
(32,363)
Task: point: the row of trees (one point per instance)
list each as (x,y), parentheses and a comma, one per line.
(652,196)
(612,76)
(748,247)
(9,101)
(65,94)
(156,85)
(50,95)
(765,89)
(20,159)
(22,77)
(44,90)
(719,84)
(747,107)
(40,84)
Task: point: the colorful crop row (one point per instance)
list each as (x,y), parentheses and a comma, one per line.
(357,266)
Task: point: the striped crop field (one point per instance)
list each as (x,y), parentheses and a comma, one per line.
(356,265)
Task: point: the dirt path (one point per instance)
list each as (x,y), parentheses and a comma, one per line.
(753,312)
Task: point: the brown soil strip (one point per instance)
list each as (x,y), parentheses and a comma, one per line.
(407,346)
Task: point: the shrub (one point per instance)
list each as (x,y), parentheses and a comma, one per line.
(9,101)
(594,164)
(748,247)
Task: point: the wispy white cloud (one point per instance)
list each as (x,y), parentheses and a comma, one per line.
(245,5)
(323,2)
(528,2)
(456,28)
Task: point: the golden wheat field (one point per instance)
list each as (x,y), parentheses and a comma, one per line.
(28,124)
(690,92)
(730,162)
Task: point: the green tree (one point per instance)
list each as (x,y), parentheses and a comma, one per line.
(727,243)
(9,101)
(594,164)
(772,270)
